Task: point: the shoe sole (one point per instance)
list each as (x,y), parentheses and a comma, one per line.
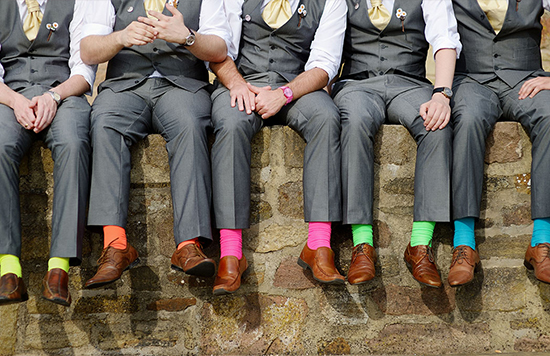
(425,284)
(305,266)
(101,284)
(7,301)
(203,269)
(59,301)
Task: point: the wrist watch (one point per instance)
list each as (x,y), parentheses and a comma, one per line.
(447,92)
(287,92)
(190,39)
(55,96)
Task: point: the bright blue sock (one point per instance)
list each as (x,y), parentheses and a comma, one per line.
(541,232)
(464,233)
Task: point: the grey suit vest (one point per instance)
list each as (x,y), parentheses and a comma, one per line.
(284,50)
(512,55)
(40,62)
(131,66)
(398,48)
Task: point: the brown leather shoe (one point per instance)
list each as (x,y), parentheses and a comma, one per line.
(56,287)
(228,279)
(111,265)
(321,264)
(12,289)
(465,262)
(191,260)
(363,259)
(420,260)
(538,258)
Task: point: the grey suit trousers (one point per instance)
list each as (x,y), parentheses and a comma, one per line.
(477,108)
(120,119)
(364,106)
(68,139)
(314,116)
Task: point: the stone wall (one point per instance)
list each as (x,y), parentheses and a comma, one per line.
(280,309)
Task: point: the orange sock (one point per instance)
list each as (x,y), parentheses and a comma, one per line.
(114,236)
(185,243)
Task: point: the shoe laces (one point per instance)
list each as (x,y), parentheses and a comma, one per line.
(546,249)
(460,254)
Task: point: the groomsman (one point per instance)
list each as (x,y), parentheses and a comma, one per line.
(42,82)
(384,80)
(499,75)
(156,82)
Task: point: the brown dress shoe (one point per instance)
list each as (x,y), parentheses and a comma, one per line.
(538,258)
(465,262)
(111,265)
(12,289)
(420,260)
(321,264)
(363,259)
(56,287)
(228,279)
(191,260)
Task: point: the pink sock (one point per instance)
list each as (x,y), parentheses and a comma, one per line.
(231,243)
(318,235)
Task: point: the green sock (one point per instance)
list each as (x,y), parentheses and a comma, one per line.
(58,262)
(362,234)
(10,264)
(422,233)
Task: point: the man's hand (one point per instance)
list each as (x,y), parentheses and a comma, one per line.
(243,97)
(436,112)
(24,114)
(268,102)
(169,28)
(531,87)
(44,108)
(136,34)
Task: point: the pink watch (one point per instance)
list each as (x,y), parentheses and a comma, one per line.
(287,92)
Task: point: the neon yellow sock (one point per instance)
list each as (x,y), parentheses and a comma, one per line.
(422,233)
(10,264)
(58,262)
(362,234)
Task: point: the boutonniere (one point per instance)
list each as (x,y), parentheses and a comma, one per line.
(401,15)
(302,12)
(174,3)
(52,27)
(517,4)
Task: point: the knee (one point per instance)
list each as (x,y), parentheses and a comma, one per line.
(326,118)
(71,147)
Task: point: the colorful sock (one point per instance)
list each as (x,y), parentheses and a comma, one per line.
(541,231)
(58,262)
(188,242)
(231,243)
(422,233)
(464,233)
(318,235)
(10,264)
(362,234)
(114,236)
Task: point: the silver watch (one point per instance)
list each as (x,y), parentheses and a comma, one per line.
(55,96)
(190,39)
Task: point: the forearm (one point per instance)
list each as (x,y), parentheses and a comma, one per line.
(98,49)
(209,48)
(227,73)
(445,60)
(7,95)
(308,81)
(74,86)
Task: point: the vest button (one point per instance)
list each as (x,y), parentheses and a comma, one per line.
(155,49)
(497,68)
(382,59)
(33,70)
(380,73)
(272,47)
(496,55)
(271,60)
(156,64)
(136,81)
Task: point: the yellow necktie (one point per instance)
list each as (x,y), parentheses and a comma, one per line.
(277,13)
(495,11)
(153,5)
(32,22)
(379,15)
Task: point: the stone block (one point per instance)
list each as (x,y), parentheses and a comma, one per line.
(504,246)
(8,331)
(291,276)
(519,214)
(260,149)
(294,149)
(340,307)
(400,186)
(172,305)
(150,162)
(275,237)
(541,344)
(382,234)
(503,145)
(291,200)
(529,323)
(431,339)
(398,300)
(122,304)
(260,211)
(403,148)
(338,346)
(53,333)
(251,324)
(522,183)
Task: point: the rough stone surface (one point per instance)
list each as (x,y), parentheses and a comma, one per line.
(291,276)
(517,215)
(338,346)
(504,144)
(172,305)
(397,300)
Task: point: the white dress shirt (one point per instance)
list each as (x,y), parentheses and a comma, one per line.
(441,29)
(101,16)
(75,31)
(326,48)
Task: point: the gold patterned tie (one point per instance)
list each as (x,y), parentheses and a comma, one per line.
(153,5)
(495,11)
(379,15)
(32,22)
(277,13)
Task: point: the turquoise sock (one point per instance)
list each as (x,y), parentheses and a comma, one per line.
(464,233)
(422,233)
(541,232)
(362,234)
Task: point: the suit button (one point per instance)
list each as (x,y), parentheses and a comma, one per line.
(380,73)
(271,61)
(496,55)
(382,59)
(272,47)
(155,49)
(33,70)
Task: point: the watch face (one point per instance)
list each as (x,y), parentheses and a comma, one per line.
(287,92)
(190,40)
(448,92)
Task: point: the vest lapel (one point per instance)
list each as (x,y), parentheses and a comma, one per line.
(477,13)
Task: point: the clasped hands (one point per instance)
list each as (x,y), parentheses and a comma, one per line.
(35,114)
(264,101)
